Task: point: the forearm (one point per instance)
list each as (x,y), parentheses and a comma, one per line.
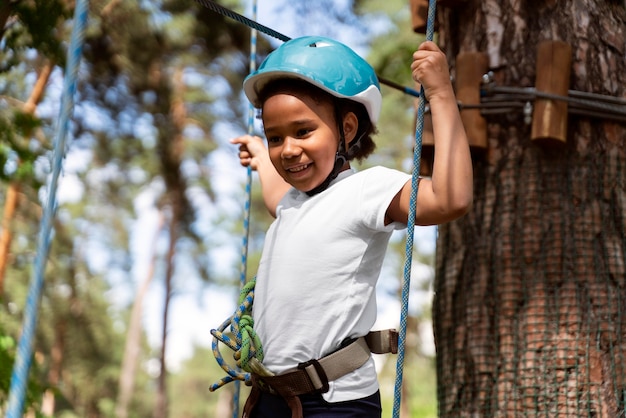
(452,178)
(448,194)
(254,154)
(273,186)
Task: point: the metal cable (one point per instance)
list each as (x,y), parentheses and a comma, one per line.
(595,104)
(592,101)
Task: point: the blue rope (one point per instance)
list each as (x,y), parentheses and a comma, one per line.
(246,218)
(19,376)
(406,285)
(238,334)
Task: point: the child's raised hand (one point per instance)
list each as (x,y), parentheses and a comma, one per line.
(250,149)
(430,69)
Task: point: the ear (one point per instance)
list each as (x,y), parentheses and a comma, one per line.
(350,126)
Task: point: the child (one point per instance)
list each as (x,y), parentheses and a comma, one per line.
(315,291)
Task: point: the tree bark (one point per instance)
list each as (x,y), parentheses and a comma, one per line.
(529,312)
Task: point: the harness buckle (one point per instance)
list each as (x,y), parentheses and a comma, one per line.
(316,374)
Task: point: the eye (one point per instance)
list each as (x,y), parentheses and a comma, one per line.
(300,133)
(273,140)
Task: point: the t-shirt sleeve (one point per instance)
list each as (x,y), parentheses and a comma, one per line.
(379,187)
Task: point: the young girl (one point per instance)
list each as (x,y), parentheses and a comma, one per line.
(315,290)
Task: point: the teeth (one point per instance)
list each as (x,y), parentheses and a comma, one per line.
(299,168)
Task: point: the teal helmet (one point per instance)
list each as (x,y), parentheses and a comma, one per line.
(325,63)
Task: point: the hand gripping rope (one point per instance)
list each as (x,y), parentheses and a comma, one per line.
(406,284)
(19,376)
(249,358)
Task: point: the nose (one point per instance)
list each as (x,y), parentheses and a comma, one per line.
(291,148)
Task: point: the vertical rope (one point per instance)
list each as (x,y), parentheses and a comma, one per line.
(246,215)
(406,284)
(19,376)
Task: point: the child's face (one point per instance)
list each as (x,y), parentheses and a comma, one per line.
(302,138)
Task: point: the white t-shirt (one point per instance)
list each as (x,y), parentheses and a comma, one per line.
(316,280)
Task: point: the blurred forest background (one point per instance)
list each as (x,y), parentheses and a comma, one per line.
(145,254)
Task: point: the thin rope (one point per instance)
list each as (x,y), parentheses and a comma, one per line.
(611,107)
(243,340)
(246,216)
(210,4)
(406,285)
(19,376)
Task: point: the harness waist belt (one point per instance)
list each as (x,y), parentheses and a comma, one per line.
(313,376)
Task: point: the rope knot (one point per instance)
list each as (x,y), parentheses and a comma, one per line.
(243,340)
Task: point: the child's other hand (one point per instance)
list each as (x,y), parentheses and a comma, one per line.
(430,69)
(251,148)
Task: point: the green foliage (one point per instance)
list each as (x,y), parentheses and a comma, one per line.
(34,389)
(420,386)
(35,24)
(189,389)
(17,159)
(7,349)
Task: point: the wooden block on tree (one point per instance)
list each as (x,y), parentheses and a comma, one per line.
(419,16)
(470,68)
(553,73)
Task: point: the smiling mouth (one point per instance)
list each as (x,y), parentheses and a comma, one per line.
(298,168)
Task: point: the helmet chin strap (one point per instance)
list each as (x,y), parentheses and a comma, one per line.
(340,161)
(340,157)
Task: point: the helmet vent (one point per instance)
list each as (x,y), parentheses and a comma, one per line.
(319,44)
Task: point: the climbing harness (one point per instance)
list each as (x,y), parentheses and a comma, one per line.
(314,375)
(19,376)
(309,377)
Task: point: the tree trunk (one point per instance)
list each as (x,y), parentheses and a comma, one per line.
(162,404)
(171,156)
(6,235)
(132,347)
(529,312)
(56,368)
